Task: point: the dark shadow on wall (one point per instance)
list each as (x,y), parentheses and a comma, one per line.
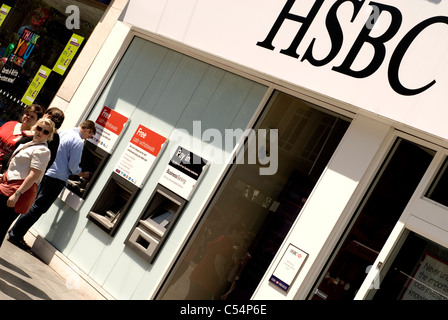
(62,226)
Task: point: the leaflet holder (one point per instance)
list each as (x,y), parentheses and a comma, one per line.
(113,203)
(154,224)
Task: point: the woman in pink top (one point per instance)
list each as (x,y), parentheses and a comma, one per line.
(12,131)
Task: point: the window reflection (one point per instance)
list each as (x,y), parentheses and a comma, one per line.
(253,213)
(437,191)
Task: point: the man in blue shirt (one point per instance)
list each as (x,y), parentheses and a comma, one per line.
(68,158)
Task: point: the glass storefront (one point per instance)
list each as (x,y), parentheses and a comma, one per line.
(418,272)
(252,213)
(39,43)
(437,191)
(373,221)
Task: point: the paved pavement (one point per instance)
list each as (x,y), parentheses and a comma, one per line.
(23,276)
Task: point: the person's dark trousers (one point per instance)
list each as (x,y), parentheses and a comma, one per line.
(7,217)
(49,189)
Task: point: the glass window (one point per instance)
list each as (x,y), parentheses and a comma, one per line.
(373,221)
(437,190)
(252,213)
(418,272)
(39,42)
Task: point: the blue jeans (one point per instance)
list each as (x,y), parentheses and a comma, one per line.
(48,191)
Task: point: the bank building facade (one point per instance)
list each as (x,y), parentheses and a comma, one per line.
(276,150)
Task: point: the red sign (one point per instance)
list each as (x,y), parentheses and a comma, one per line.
(109,125)
(111,120)
(137,160)
(148,140)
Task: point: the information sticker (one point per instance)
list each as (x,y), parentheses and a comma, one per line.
(288,267)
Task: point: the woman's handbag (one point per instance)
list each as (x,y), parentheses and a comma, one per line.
(26,199)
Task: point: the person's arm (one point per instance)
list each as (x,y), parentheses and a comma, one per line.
(30,179)
(75,159)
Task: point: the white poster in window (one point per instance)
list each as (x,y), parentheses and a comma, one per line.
(288,267)
(430,281)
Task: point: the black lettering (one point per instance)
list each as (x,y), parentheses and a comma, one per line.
(335,32)
(377,43)
(400,51)
(285,14)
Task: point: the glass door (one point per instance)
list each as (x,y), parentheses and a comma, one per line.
(373,221)
(419,271)
(417,267)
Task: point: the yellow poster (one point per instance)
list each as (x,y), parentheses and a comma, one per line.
(67,55)
(36,85)
(4,10)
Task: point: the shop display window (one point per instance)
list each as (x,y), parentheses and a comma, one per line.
(39,42)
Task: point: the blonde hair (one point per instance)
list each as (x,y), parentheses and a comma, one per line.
(49,123)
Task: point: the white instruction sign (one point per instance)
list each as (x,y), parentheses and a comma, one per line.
(140,155)
(183,172)
(288,267)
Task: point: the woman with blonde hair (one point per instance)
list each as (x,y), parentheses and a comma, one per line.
(18,187)
(54,114)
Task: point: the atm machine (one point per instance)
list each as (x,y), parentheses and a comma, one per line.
(113,203)
(155,222)
(126,179)
(97,151)
(93,160)
(164,207)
